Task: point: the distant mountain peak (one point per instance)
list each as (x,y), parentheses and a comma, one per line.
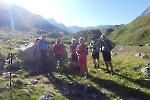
(52,21)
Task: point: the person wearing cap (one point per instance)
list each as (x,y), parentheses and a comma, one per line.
(106,48)
(74,56)
(81,51)
(58,50)
(94,46)
(43,52)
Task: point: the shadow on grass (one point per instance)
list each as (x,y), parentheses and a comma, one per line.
(75,90)
(120,90)
(143,83)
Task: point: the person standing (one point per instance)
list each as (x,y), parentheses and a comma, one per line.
(94,46)
(36,49)
(81,51)
(74,56)
(58,50)
(106,48)
(43,52)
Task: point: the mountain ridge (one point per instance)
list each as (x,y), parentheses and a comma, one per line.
(75,29)
(145,13)
(18,18)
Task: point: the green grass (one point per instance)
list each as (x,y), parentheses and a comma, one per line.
(134,33)
(125,83)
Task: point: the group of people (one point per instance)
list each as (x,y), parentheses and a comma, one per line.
(79,51)
(105,47)
(78,55)
(43,52)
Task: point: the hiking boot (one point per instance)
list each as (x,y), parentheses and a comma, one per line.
(112,72)
(107,71)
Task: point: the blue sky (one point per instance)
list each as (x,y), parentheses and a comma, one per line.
(86,12)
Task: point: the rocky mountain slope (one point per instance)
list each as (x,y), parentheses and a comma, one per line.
(18,18)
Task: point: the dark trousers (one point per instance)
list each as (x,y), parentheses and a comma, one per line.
(106,55)
(57,57)
(95,54)
(42,59)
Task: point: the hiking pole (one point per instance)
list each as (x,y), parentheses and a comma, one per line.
(10,63)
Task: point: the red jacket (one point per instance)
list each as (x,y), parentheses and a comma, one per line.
(58,48)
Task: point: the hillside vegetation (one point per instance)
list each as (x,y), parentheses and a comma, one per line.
(85,34)
(134,33)
(129,81)
(125,83)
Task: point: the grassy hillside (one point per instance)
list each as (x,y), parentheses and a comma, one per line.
(126,83)
(85,34)
(134,33)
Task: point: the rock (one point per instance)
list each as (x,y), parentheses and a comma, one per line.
(137,67)
(148,64)
(145,56)
(145,70)
(2,58)
(2,66)
(2,89)
(147,44)
(137,54)
(46,96)
(26,91)
(29,56)
(33,82)
(2,62)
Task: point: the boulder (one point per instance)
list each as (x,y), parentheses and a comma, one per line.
(2,89)
(2,62)
(29,56)
(147,44)
(2,58)
(146,71)
(46,96)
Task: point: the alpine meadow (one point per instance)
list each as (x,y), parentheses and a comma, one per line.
(19,77)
